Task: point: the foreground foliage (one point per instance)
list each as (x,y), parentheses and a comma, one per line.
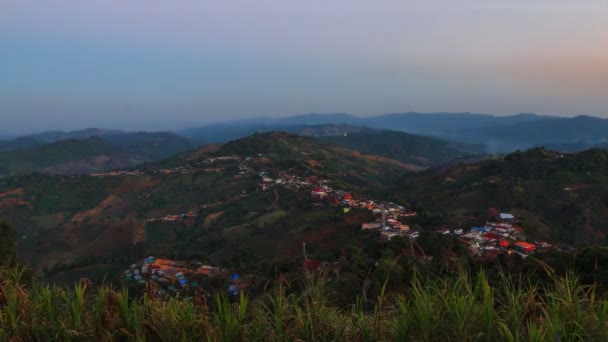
(458,307)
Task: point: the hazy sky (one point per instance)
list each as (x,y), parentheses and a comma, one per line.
(154,64)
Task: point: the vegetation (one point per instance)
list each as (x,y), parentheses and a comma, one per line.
(8,245)
(84,151)
(408,148)
(460,306)
(558,197)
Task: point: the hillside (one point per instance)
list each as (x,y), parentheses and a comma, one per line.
(54,154)
(251,203)
(91,154)
(230,212)
(408,148)
(53,136)
(417,150)
(560,197)
(19,144)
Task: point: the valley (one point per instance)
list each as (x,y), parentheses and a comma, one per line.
(254,201)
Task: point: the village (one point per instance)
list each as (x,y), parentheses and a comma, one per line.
(169,275)
(390,214)
(501,234)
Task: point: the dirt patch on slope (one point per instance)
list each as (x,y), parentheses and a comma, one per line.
(94,212)
(135,184)
(17,192)
(13,202)
(212,218)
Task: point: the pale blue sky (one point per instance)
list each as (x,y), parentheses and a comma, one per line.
(154,64)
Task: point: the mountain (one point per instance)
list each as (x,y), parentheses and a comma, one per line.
(437,124)
(236,213)
(19,144)
(498,134)
(327,130)
(52,136)
(57,153)
(443,124)
(247,203)
(93,154)
(151,145)
(583,131)
(559,197)
(408,148)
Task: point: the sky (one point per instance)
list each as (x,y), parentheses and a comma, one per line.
(152,64)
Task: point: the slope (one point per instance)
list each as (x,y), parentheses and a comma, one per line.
(561,197)
(93,154)
(211,201)
(60,152)
(409,148)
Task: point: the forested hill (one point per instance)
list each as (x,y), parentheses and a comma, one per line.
(408,148)
(562,197)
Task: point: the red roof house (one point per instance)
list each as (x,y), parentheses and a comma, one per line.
(525,246)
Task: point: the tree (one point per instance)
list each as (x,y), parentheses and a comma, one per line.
(8,244)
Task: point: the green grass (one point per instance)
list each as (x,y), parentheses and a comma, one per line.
(457,308)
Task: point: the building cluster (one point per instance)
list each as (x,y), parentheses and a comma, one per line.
(502,235)
(175,217)
(389,215)
(116,173)
(169,275)
(285,179)
(207,165)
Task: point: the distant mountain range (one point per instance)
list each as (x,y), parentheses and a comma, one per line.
(422,139)
(93,150)
(87,151)
(498,134)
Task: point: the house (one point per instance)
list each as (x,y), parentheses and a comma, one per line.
(373,225)
(479,230)
(402,226)
(209,271)
(506,216)
(525,246)
(492,237)
(318,193)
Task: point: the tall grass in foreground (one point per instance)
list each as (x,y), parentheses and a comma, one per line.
(455,308)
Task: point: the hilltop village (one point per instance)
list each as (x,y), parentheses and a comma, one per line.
(501,234)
